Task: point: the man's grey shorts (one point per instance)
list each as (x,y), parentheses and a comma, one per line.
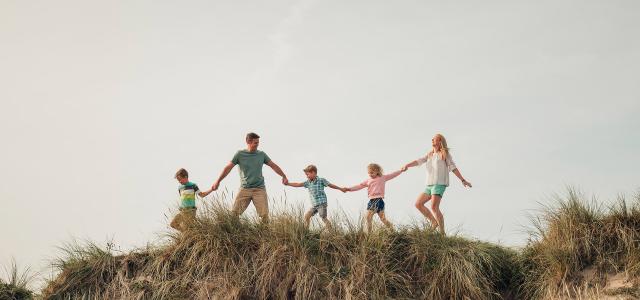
(320,208)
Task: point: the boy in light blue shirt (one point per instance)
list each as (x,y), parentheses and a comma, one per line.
(318,198)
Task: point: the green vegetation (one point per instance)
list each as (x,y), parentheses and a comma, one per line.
(226,257)
(16,286)
(580,245)
(578,249)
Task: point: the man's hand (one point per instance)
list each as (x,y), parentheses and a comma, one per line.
(215,186)
(285,181)
(466,183)
(404,169)
(344,189)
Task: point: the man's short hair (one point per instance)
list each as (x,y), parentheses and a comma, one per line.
(252,136)
(310,168)
(182,173)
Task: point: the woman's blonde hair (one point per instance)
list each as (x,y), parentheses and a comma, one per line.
(375,168)
(444,149)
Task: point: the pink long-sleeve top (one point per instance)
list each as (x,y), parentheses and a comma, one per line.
(375,185)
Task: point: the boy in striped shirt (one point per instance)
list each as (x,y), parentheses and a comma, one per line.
(188,191)
(316,186)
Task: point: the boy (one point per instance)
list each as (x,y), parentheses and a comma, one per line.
(187,191)
(316,185)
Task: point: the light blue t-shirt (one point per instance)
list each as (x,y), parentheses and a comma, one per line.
(316,190)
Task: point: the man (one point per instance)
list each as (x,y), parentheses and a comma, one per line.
(250,162)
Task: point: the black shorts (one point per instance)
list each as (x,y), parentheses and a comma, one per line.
(376,205)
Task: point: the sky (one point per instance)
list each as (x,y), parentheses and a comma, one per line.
(102,101)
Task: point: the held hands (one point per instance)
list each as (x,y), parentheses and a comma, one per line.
(285,181)
(404,169)
(344,189)
(205,193)
(214,186)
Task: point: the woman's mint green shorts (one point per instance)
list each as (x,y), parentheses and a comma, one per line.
(436,189)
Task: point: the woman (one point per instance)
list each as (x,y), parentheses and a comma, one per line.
(439,164)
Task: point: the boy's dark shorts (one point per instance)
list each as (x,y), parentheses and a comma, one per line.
(376,205)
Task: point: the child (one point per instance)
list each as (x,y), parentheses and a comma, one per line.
(439,164)
(376,193)
(187,191)
(316,185)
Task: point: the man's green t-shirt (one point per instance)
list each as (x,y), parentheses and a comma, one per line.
(250,164)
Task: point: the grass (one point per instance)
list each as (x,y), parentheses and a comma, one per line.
(16,285)
(577,244)
(224,257)
(576,247)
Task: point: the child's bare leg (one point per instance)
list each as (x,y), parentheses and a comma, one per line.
(327,223)
(435,207)
(307,219)
(370,214)
(420,202)
(175,223)
(384,220)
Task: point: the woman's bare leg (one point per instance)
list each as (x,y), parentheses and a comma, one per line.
(420,202)
(435,207)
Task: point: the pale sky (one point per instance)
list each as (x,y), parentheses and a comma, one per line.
(102,101)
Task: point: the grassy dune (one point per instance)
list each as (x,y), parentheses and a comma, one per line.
(223,257)
(580,247)
(577,250)
(16,284)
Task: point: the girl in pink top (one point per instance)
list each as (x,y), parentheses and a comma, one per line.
(375,192)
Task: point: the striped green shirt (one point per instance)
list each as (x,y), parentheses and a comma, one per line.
(188,194)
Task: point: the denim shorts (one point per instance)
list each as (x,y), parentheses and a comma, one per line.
(376,205)
(320,209)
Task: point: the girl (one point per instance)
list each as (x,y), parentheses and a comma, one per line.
(439,164)
(376,193)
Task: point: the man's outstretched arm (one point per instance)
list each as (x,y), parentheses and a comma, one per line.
(278,171)
(224,174)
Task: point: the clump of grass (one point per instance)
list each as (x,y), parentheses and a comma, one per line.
(574,236)
(16,286)
(81,266)
(224,257)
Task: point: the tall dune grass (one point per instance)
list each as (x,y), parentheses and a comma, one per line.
(575,247)
(223,257)
(577,243)
(16,286)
